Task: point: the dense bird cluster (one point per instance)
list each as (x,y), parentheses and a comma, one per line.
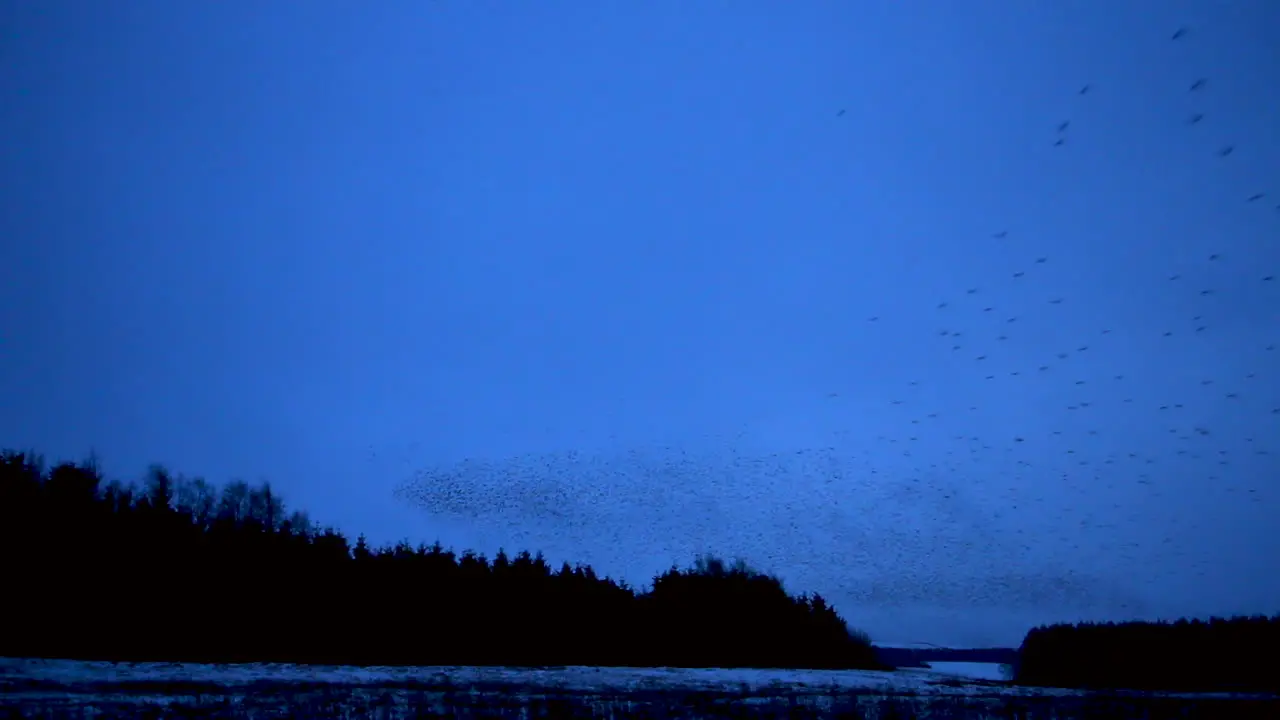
(1119,423)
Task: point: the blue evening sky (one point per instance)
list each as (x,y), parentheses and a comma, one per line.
(599,278)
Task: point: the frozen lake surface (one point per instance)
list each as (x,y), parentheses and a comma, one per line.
(974,670)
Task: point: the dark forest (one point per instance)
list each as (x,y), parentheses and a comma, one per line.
(181,570)
(178,569)
(1220,655)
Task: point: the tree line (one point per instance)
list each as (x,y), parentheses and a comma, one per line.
(179,569)
(1220,654)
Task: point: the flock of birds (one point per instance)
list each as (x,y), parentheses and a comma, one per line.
(1195,461)
(1080,451)
(955,313)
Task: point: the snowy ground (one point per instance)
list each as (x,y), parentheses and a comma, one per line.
(70,689)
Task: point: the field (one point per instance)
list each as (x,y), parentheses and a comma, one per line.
(70,689)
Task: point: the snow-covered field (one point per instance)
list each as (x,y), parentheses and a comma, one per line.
(72,689)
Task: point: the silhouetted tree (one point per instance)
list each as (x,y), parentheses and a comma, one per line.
(1189,655)
(181,570)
